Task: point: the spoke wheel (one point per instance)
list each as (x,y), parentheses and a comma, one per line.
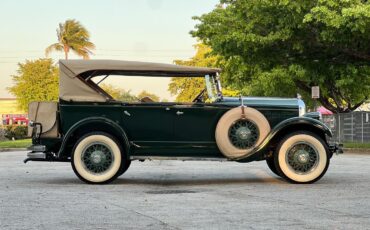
(239,131)
(97,158)
(302,157)
(243,134)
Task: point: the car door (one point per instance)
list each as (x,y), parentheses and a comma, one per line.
(194,128)
(149,127)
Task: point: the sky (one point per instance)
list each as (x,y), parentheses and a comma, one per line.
(141,30)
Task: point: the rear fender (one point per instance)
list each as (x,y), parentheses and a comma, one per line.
(95,124)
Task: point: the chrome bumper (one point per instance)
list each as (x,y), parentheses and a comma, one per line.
(37,153)
(37,148)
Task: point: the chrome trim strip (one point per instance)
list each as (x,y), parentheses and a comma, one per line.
(160,158)
(37,148)
(37,155)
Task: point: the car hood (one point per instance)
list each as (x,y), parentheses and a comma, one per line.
(262,102)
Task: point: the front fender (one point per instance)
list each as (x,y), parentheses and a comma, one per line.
(104,122)
(288,126)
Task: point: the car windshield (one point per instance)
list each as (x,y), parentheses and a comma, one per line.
(211,88)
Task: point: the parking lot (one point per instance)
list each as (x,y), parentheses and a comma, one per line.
(183,195)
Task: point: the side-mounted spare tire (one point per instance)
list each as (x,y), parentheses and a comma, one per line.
(240,130)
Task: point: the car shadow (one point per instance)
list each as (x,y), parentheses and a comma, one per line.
(175,180)
(197,181)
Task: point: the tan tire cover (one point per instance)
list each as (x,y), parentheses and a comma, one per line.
(289,172)
(228,119)
(79,165)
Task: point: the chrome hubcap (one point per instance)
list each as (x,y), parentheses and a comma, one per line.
(97,158)
(243,134)
(302,158)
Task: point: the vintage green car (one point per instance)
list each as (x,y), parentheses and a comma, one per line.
(100,136)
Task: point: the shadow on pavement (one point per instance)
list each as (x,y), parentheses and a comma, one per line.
(198,181)
(178,181)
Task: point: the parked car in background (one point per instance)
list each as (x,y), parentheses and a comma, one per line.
(100,136)
(14,119)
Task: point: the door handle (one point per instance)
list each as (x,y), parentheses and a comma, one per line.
(178,113)
(127,113)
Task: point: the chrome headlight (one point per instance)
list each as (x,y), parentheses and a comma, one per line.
(301,107)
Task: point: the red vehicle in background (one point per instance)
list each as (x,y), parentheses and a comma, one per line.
(14,119)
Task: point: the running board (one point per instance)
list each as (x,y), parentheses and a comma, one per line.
(159,158)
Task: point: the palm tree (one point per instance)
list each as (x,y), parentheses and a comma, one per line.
(72,36)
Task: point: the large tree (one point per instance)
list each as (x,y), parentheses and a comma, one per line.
(187,88)
(119,94)
(152,96)
(72,36)
(277,46)
(35,81)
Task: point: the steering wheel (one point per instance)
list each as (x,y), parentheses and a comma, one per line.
(200,96)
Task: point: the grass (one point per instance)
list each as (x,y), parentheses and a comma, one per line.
(357,145)
(15,144)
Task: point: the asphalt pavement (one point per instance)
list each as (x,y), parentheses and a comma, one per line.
(183,195)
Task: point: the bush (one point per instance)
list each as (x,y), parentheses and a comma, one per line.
(2,134)
(16,131)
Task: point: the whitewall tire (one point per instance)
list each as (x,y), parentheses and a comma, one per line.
(97,158)
(271,164)
(237,136)
(302,157)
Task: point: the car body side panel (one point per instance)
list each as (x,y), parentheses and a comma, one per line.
(196,123)
(148,126)
(158,130)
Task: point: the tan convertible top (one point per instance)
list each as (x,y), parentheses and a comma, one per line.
(75,75)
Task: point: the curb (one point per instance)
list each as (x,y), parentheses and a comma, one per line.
(12,149)
(356,150)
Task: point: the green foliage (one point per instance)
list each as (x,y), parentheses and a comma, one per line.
(230,92)
(152,96)
(36,81)
(2,134)
(119,94)
(126,96)
(275,47)
(72,36)
(187,89)
(17,132)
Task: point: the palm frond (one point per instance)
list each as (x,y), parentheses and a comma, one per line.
(74,35)
(51,48)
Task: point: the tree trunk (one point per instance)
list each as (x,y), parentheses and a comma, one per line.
(334,95)
(66,51)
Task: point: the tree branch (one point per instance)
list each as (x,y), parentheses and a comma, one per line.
(352,108)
